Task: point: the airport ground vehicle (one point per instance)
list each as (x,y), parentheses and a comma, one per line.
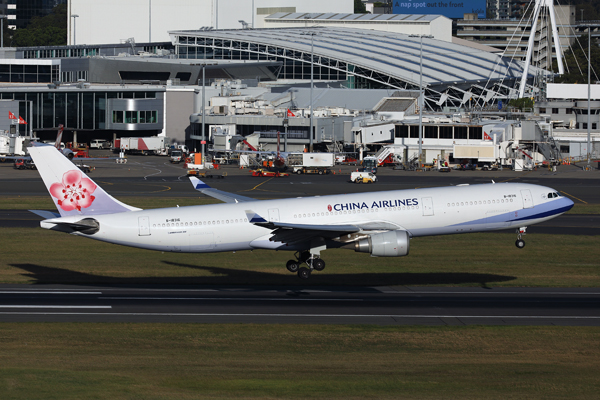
(312,170)
(369,164)
(264,172)
(142,145)
(310,163)
(363,177)
(175,156)
(442,166)
(99,144)
(24,163)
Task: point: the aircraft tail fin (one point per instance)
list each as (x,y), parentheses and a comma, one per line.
(72,191)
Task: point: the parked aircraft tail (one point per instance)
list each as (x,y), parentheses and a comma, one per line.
(72,191)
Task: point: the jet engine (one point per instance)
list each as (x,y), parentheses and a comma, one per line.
(386,244)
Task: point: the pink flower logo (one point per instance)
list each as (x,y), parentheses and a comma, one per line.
(329,208)
(74,192)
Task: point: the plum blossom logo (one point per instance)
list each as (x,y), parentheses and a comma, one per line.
(75,192)
(329,207)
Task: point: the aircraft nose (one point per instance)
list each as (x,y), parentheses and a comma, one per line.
(569,203)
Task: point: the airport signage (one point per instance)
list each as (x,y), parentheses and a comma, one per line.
(447,8)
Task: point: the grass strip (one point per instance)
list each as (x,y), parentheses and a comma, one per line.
(205,361)
(34,255)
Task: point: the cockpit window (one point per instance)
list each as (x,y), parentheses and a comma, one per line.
(552,195)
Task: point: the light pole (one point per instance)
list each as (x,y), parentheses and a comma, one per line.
(149,21)
(286,122)
(74,16)
(589,120)
(312,62)
(421,100)
(2,18)
(203,141)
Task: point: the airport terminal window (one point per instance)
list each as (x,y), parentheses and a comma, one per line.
(475,132)
(445,132)
(117,117)
(555,111)
(131,117)
(414,131)
(431,132)
(460,132)
(401,131)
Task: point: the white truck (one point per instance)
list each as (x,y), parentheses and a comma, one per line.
(310,163)
(143,145)
(363,177)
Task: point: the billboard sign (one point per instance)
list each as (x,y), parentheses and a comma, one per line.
(447,8)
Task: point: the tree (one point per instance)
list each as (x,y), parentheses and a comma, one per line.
(50,30)
(523,102)
(359,7)
(576,64)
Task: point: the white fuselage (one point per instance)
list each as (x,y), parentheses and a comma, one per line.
(421,212)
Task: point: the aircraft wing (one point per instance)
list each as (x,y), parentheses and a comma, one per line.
(293,233)
(218,194)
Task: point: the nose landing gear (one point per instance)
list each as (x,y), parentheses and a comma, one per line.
(312,261)
(520,243)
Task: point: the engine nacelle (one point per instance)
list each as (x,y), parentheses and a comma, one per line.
(386,244)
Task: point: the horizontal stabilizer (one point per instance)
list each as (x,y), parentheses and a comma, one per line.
(218,194)
(45,214)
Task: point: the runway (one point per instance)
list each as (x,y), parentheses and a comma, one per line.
(377,305)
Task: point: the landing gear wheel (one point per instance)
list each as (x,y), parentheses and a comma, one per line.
(304,273)
(318,264)
(520,243)
(292,266)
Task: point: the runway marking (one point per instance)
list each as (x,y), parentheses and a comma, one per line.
(42,292)
(563,317)
(570,195)
(157,173)
(44,306)
(264,190)
(221,298)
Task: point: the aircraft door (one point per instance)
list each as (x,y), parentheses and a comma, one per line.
(273,214)
(427,205)
(202,241)
(144,226)
(527,199)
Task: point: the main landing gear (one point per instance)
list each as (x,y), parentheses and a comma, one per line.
(520,243)
(312,261)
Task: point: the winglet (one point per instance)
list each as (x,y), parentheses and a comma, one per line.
(198,184)
(254,218)
(217,194)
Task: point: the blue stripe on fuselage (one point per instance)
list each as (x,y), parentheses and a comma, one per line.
(543,210)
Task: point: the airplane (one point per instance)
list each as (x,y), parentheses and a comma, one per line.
(379,223)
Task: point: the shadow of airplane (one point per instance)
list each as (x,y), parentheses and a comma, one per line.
(227,276)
